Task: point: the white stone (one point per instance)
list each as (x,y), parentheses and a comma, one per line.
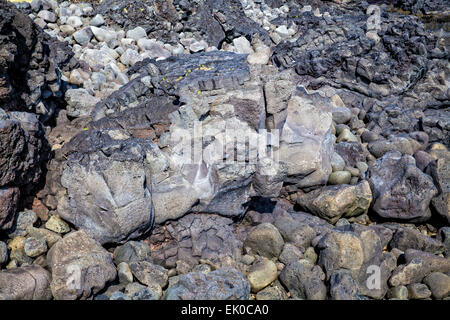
(74,21)
(137,33)
(47,16)
(103,35)
(242,45)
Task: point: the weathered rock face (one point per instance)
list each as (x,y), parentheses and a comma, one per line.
(306,142)
(400,190)
(23,153)
(109,175)
(350,62)
(194,237)
(80,267)
(222,284)
(395,77)
(220,21)
(440,171)
(30,64)
(9,199)
(209,100)
(25,283)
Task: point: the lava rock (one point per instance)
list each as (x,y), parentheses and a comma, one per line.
(265,240)
(107,195)
(25,283)
(222,284)
(303,282)
(333,202)
(80,267)
(400,190)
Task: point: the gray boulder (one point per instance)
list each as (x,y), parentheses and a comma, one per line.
(343,286)
(304,281)
(25,283)
(80,102)
(401,191)
(333,202)
(80,267)
(107,186)
(411,238)
(439,284)
(265,240)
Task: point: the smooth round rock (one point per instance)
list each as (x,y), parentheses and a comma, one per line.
(340,177)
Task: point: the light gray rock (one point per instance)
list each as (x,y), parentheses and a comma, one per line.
(260,56)
(130,57)
(153,48)
(137,33)
(198,46)
(308,162)
(242,45)
(97,59)
(79,102)
(97,21)
(67,29)
(333,202)
(83,36)
(107,195)
(103,35)
(47,16)
(74,21)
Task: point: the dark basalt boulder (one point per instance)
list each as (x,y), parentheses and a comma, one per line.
(31,62)
(23,154)
(163,80)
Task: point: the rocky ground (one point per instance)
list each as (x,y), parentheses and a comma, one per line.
(97,202)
